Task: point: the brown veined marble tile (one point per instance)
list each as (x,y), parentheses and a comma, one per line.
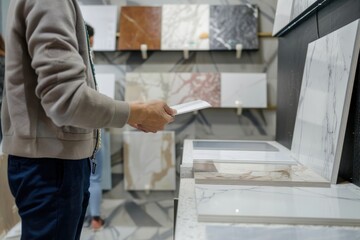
(140,25)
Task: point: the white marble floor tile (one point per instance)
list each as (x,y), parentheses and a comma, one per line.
(324,100)
(149,160)
(338,205)
(246,90)
(185,26)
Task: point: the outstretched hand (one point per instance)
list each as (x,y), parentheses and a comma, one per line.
(151,116)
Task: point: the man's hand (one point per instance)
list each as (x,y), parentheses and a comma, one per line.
(151,116)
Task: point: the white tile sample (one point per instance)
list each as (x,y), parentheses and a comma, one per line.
(300,6)
(190,106)
(281,156)
(174,88)
(283,15)
(246,90)
(338,205)
(103,18)
(324,100)
(189,228)
(185,26)
(149,160)
(106,84)
(257,174)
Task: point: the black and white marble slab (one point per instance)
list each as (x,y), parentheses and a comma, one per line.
(232,25)
(325,99)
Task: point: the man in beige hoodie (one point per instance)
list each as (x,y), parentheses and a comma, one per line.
(50,115)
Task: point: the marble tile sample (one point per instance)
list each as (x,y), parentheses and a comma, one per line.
(245,89)
(185,26)
(174,88)
(281,156)
(257,174)
(338,205)
(283,15)
(140,25)
(324,100)
(300,6)
(103,18)
(149,160)
(234,24)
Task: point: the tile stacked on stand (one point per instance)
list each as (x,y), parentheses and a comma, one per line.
(257,174)
(185,27)
(338,205)
(320,123)
(149,160)
(140,25)
(259,152)
(233,24)
(325,99)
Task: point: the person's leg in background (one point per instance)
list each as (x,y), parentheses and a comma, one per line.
(96,190)
(51,195)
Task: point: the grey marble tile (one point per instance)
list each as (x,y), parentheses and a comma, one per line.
(231,25)
(325,99)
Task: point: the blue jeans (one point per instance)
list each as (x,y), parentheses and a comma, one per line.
(51,195)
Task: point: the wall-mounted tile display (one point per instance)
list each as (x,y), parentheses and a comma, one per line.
(174,88)
(338,205)
(324,100)
(140,25)
(283,15)
(149,160)
(300,6)
(185,26)
(103,18)
(246,90)
(257,174)
(233,24)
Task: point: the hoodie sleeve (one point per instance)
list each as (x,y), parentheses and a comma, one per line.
(63,87)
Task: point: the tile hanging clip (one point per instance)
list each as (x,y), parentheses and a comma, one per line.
(144,48)
(186,52)
(239,107)
(238,48)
